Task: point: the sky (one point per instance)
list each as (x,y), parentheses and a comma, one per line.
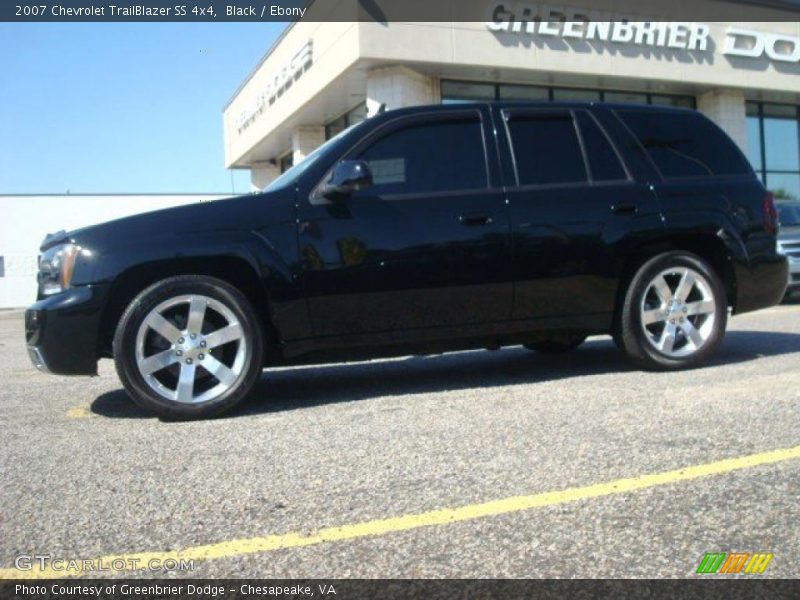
(121,107)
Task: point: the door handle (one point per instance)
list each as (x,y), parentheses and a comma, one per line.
(475,219)
(624,209)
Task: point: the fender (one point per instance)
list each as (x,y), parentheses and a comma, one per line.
(111,263)
(704,224)
(258,229)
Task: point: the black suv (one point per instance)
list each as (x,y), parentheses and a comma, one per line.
(424,230)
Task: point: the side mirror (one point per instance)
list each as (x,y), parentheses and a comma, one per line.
(348,176)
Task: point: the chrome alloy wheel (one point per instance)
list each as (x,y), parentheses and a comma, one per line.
(678,312)
(191,349)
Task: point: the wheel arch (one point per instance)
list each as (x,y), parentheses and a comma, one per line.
(233,269)
(709,246)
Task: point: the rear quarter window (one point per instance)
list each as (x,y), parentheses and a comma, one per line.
(685,144)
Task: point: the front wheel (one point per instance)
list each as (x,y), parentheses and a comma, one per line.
(188,347)
(674,313)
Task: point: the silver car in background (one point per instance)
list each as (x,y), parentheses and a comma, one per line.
(789,241)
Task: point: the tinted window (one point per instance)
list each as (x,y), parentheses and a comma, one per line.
(604,163)
(430,157)
(685,144)
(788,215)
(546,148)
(575,94)
(463,91)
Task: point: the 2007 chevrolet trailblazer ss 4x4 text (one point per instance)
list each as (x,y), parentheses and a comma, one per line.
(424,230)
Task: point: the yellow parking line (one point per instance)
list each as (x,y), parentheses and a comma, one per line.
(444,516)
(79,412)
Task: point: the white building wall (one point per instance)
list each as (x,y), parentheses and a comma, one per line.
(400,64)
(25,220)
(261,173)
(727,109)
(305,140)
(398,87)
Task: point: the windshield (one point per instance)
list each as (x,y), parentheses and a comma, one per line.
(789,214)
(290,175)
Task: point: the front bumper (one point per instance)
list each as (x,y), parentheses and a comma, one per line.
(62,331)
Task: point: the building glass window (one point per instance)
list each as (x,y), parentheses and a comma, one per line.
(625,97)
(358,114)
(470,91)
(575,94)
(286,162)
(785,186)
(351,117)
(523,92)
(754,152)
(773,146)
(335,127)
(781,143)
(463,91)
(676,101)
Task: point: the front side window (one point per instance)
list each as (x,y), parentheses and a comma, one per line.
(546,148)
(685,144)
(428,157)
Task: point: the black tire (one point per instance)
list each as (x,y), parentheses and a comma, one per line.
(557,344)
(629,333)
(125,341)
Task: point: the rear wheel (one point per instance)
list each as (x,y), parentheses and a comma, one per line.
(557,344)
(188,347)
(674,313)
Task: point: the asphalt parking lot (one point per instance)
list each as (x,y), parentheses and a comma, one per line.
(436,466)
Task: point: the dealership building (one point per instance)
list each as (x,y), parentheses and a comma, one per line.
(320,77)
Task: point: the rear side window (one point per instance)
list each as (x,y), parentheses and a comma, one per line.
(546,148)
(685,144)
(428,157)
(604,162)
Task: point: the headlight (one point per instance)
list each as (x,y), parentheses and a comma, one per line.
(56,266)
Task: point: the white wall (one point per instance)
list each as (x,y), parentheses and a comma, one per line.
(25,220)
(728,109)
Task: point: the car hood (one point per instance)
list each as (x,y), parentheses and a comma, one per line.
(240,212)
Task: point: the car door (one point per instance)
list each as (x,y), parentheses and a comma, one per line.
(426,245)
(574,207)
